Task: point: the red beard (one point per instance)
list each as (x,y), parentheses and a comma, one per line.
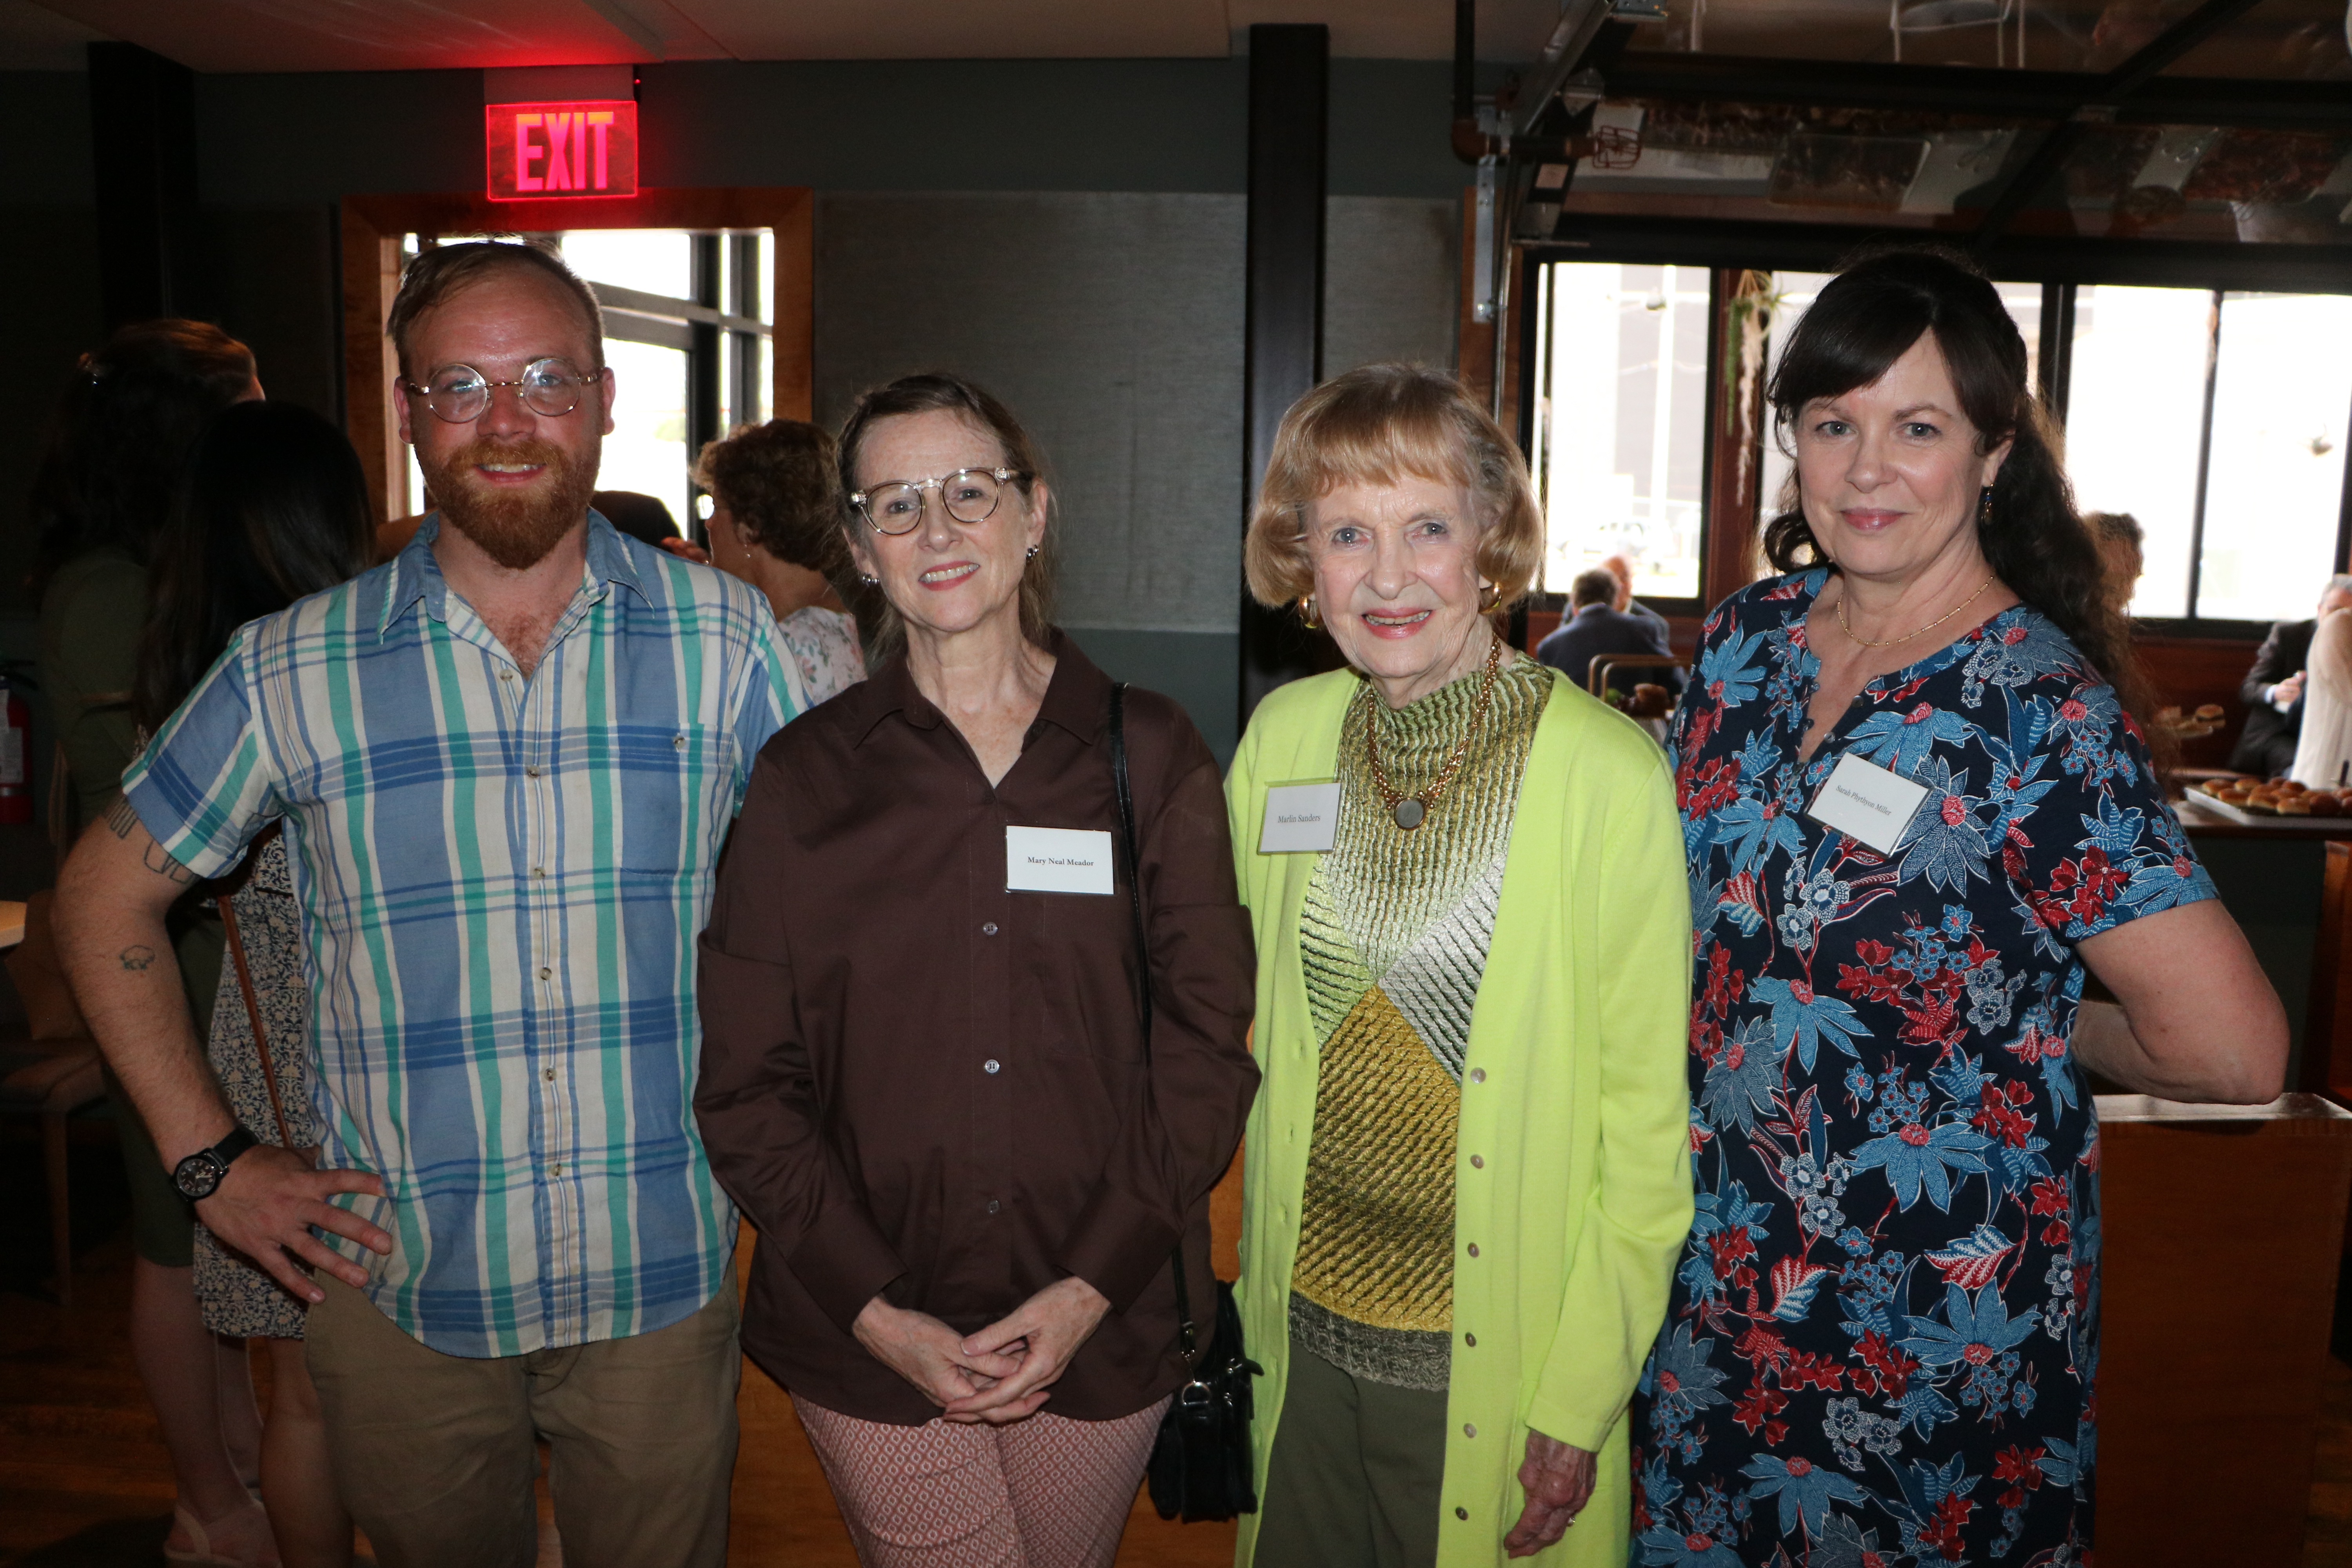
(516,530)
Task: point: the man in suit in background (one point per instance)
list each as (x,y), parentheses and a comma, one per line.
(2273,689)
(1595,625)
(1624,604)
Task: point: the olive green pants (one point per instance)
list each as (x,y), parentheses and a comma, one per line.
(1355,1475)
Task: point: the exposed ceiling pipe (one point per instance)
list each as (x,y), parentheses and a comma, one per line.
(1470,143)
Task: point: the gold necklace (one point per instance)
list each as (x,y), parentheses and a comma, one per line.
(1409,811)
(1923,631)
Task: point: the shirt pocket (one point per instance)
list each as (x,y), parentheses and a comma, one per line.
(676,798)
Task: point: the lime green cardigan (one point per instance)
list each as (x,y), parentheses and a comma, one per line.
(1574,1100)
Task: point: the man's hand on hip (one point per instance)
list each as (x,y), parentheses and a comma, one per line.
(266,1205)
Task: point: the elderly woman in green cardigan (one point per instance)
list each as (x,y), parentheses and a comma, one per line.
(1468,1168)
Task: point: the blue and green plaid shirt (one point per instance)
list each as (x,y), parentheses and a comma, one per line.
(501,881)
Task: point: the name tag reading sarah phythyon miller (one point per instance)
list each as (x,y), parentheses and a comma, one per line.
(1300,819)
(1057,860)
(1867,803)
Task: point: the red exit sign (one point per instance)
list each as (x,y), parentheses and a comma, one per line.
(543,150)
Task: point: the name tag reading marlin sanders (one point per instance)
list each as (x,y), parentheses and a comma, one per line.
(1300,819)
(1057,860)
(1871,804)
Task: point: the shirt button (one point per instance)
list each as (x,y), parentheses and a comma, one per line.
(538,872)
(548,1075)
(1468,1430)
(992,1205)
(505,675)
(989,929)
(1462,1513)
(989,1066)
(1477,1075)
(1477,1163)
(1474,1249)
(1470,1340)
(549,974)
(555,1170)
(531,773)
(677,744)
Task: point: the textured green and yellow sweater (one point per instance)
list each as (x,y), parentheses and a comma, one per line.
(1394,937)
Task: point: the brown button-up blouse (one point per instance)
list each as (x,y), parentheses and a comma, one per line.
(921,1084)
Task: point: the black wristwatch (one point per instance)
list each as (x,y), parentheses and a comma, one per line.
(201,1174)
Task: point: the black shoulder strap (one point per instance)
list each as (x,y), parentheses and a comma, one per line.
(1143,952)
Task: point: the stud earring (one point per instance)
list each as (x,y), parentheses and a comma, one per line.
(869,579)
(1032,553)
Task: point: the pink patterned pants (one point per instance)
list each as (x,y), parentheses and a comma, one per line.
(1046,1492)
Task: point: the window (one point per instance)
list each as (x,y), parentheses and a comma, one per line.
(1621,425)
(2218,420)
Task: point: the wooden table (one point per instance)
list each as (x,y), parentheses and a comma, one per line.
(2204,824)
(2223,1227)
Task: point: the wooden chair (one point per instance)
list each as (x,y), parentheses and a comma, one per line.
(51,1070)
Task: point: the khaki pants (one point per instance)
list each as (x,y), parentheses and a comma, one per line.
(434,1454)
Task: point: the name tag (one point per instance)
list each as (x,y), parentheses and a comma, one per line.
(1057,860)
(1300,819)
(1867,803)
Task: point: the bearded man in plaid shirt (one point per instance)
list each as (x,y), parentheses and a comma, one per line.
(505,763)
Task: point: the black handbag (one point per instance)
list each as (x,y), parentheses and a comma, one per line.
(1201,1460)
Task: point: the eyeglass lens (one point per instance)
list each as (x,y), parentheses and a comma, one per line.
(970,496)
(460,393)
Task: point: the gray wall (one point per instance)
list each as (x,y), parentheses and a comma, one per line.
(1069,232)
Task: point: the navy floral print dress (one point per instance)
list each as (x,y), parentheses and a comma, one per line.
(1882,1339)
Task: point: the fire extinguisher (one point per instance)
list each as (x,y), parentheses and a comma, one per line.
(16,745)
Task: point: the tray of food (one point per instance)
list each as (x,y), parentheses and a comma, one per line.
(2194,726)
(2264,802)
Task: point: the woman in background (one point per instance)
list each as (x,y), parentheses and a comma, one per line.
(126,421)
(775,522)
(273,508)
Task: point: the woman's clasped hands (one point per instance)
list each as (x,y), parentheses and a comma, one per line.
(1002,1374)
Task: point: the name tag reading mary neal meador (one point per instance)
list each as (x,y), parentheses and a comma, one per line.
(1057,860)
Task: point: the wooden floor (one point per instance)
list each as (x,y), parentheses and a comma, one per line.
(84,1482)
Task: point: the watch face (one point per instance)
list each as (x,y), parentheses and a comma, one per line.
(198,1175)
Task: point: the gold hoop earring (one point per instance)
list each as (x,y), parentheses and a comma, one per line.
(1489,596)
(1307,613)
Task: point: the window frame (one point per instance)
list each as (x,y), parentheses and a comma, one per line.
(2060,266)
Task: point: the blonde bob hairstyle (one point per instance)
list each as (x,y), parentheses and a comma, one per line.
(1372,427)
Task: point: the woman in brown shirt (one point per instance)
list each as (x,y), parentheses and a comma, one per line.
(923,1072)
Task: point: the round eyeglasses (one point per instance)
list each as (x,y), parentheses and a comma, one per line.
(970,495)
(458,394)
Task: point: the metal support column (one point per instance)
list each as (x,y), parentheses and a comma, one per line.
(1289,86)
(142,123)
(704,358)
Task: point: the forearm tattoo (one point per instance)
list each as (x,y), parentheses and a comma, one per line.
(136,957)
(123,822)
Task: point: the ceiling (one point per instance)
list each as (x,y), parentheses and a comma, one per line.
(223,36)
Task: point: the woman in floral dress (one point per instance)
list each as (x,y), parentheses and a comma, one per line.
(1884,1334)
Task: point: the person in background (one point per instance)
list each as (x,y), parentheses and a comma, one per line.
(2122,555)
(925,1076)
(504,766)
(2322,751)
(273,507)
(776,523)
(1624,604)
(129,415)
(2273,689)
(1595,625)
(1469,1175)
(1919,813)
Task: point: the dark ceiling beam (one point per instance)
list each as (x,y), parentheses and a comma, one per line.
(1975,90)
(2098,107)
(2026,259)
